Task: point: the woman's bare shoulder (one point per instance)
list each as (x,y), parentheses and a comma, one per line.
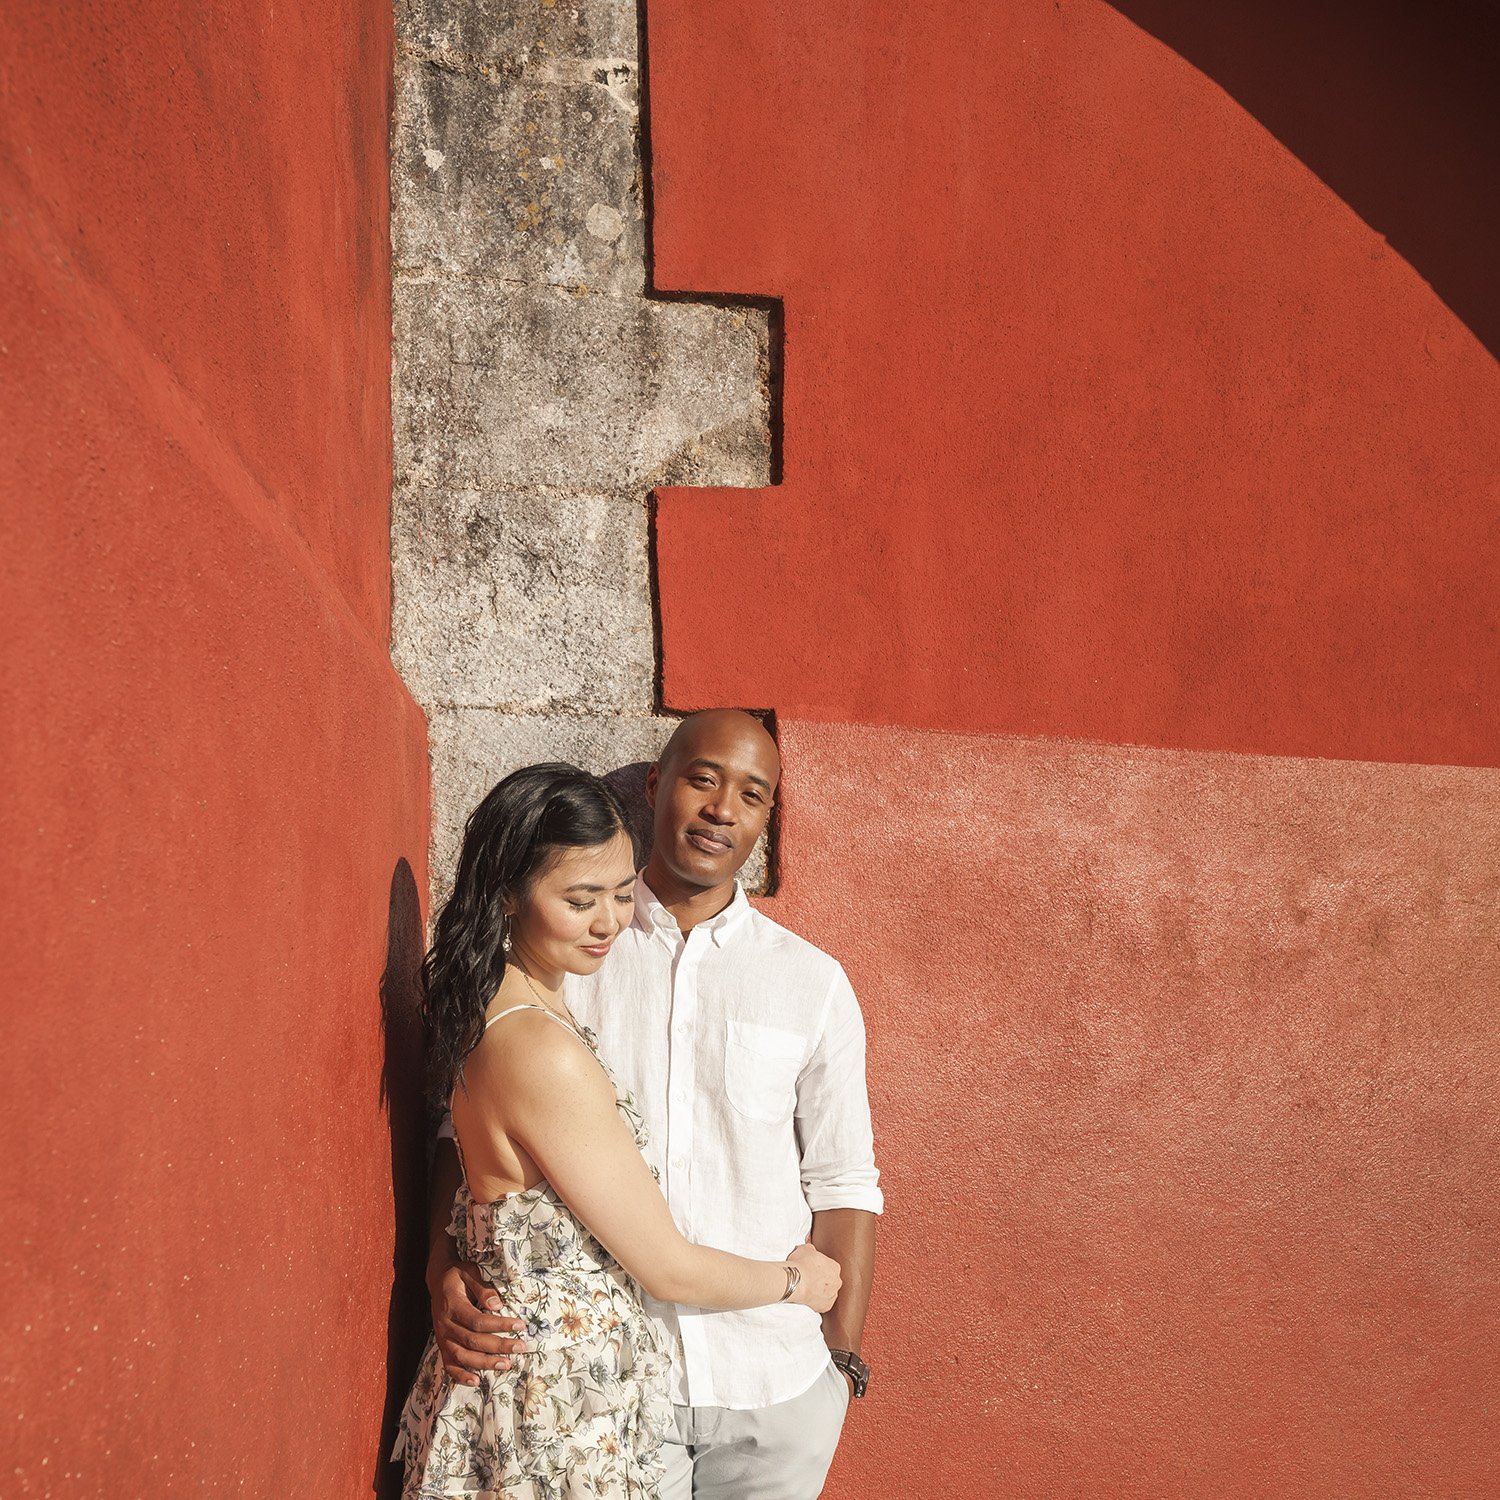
(530,1050)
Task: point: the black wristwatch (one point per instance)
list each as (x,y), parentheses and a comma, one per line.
(854,1367)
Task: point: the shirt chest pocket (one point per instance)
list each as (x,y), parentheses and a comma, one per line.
(761,1066)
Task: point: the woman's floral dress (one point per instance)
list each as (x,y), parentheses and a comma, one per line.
(580,1418)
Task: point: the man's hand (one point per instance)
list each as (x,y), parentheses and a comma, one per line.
(469,1338)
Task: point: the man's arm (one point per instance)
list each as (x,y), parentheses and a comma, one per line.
(468,1339)
(446,1180)
(839,1178)
(847,1235)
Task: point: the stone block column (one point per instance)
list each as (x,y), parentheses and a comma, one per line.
(540,391)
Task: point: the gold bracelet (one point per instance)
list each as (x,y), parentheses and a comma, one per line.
(793,1281)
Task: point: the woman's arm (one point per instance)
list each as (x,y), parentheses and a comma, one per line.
(559,1106)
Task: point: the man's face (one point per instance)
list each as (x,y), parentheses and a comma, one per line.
(713,796)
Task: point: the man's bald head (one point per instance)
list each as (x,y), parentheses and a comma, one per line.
(714,730)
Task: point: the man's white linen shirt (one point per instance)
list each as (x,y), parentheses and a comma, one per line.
(745,1049)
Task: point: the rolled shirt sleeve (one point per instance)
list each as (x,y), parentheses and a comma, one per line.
(834,1133)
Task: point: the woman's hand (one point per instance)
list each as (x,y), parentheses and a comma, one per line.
(819,1287)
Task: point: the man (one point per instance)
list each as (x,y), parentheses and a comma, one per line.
(744,1048)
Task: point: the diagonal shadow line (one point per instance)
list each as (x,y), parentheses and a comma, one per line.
(1390,103)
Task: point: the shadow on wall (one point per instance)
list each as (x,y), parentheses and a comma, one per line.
(629,784)
(1390,103)
(401,1095)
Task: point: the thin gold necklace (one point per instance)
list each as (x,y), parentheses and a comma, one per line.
(562,1015)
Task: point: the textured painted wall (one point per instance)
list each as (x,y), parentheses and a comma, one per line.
(540,391)
(1105,416)
(1186,1085)
(215,809)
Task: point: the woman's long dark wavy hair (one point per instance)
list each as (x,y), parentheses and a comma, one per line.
(509,840)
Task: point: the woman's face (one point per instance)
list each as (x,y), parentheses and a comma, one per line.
(575,909)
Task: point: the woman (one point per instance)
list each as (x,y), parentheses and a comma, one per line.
(558,1207)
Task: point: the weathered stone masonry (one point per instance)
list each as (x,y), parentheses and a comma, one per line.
(539,392)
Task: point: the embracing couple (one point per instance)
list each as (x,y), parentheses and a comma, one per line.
(657,1097)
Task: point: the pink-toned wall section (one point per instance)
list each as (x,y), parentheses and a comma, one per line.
(215,811)
(1185,1078)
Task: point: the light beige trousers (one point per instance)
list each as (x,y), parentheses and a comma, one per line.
(779,1452)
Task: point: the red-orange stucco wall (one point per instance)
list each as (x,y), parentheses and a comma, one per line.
(213,775)
(1107,418)
(1104,416)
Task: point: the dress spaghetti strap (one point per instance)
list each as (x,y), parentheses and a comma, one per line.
(510,1011)
(501,1015)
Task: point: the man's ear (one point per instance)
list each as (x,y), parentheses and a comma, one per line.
(653,780)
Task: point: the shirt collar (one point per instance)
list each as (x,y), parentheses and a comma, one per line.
(652,916)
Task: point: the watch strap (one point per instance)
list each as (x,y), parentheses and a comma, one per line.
(852,1366)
